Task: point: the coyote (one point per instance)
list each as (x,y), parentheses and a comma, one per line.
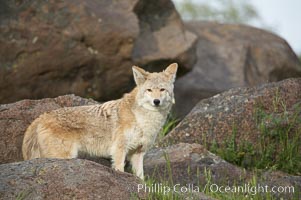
(120,129)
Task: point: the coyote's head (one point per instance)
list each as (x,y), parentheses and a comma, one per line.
(155,90)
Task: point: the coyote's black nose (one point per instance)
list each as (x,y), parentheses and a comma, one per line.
(156,102)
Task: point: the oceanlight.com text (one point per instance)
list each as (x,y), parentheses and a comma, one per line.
(215,188)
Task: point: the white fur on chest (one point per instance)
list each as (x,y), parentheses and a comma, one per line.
(145,131)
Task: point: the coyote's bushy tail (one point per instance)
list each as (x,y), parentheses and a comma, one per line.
(30,146)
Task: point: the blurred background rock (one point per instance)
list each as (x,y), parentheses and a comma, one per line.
(87,48)
(232,54)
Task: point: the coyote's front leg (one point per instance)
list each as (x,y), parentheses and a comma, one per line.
(137,163)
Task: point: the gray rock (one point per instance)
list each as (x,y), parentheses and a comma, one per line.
(216,119)
(65,179)
(188,163)
(192,166)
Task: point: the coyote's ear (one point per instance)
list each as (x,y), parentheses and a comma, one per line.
(139,75)
(171,71)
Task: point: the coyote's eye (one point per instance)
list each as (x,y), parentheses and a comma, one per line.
(162,89)
(149,90)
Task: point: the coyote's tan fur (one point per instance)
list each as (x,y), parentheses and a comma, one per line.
(119,129)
